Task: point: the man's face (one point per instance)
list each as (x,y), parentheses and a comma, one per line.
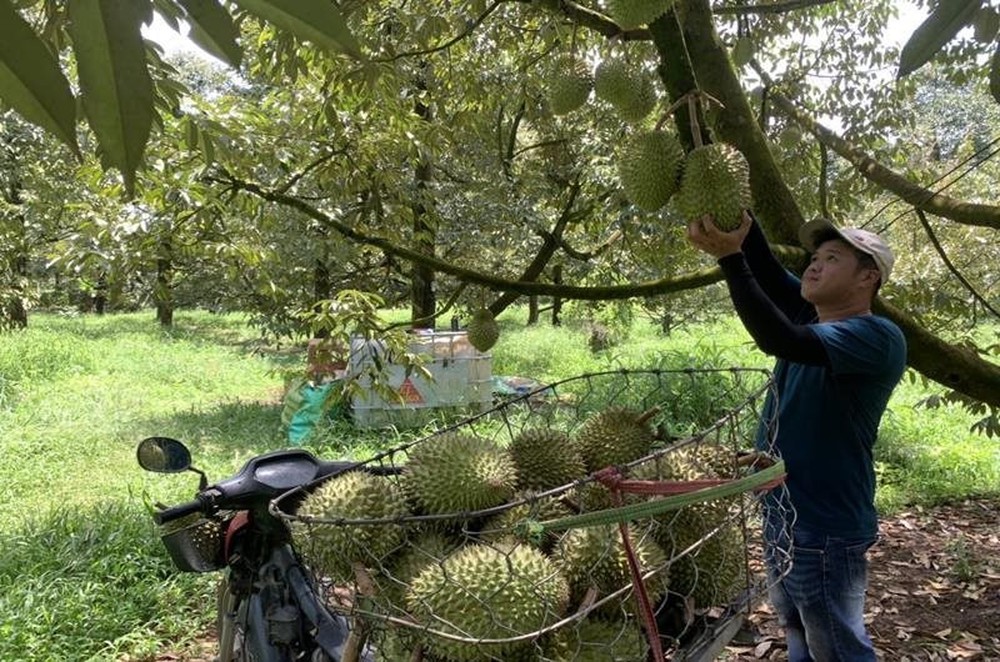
(834,275)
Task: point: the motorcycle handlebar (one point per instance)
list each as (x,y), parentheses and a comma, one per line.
(171,513)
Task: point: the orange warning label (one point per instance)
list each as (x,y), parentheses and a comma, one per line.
(409,392)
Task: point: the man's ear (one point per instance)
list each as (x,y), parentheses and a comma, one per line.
(871,276)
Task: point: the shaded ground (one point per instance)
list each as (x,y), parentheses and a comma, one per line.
(933,595)
(934,589)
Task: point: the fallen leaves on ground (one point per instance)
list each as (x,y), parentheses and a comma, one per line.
(933,589)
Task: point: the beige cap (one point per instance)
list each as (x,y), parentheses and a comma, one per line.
(863,240)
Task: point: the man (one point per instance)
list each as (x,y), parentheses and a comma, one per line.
(837,365)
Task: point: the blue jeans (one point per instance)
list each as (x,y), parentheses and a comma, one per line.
(821,601)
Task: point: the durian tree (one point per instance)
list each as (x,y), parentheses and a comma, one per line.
(492,187)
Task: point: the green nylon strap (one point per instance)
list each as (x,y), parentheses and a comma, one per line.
(656,506)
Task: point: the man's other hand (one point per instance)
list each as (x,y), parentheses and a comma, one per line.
(705,235)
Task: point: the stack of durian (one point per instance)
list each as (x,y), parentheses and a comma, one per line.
(454,544)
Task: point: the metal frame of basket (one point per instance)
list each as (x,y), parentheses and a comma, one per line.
(716,410)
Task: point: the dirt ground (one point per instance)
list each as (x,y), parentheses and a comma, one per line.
(933,593)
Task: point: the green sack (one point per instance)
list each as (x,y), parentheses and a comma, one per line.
(306,404)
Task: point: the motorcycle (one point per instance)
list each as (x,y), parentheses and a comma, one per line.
(269,608)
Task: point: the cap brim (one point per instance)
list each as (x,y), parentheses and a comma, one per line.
(809,231)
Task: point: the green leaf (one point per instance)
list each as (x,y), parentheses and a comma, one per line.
(945,21)
(995,75)
(213,29)
(318,21)
(31,81)
(116,87)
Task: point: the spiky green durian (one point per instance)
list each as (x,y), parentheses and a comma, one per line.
(545,458)
(709,551)
(487,592)
(649,166)
(689,462)
(483,330)
(716,181)
(335,548)
(417,553)
(594,557)
(598,640)
(613,80)
(614,436)
(455,473)
(568,84)
(630,91)
(633,13)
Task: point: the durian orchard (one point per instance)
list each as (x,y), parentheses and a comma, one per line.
(581,521)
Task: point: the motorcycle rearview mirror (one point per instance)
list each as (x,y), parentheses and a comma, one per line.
(163,455)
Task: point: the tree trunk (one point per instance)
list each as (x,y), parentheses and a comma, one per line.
(322,289)
(422,300)
(532,310)
(101,294)
(13,309)
(163,291)
(556,301)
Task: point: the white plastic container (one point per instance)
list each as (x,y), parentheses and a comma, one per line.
(461,381)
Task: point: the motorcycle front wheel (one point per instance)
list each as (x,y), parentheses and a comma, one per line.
(231,637)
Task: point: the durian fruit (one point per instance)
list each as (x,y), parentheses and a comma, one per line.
(716,181)
(568,84)
(689,462)
(598,640)
(545,458)
(631,92)
(630,14)
(454,472)
(483,330)
(714,570)
(649,166)
(594,557)
(614,436)
(334,548)
(487,592)
(421,550)
(517,522)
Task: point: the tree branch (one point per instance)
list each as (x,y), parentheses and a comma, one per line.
(491,281)
(956,367)
(951,267)
(469,29)
(774,8)
(921,198)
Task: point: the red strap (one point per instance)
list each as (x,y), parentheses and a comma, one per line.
(641,595)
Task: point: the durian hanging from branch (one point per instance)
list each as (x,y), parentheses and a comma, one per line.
(483,330)
(649,166)
(716,179)
(568,82)
(630,90)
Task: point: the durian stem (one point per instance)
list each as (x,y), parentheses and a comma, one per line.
(692,101)
(646,415)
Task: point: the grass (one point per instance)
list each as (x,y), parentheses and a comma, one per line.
(83,576)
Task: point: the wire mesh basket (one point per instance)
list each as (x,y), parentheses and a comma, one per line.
(609,516)
(195,543)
